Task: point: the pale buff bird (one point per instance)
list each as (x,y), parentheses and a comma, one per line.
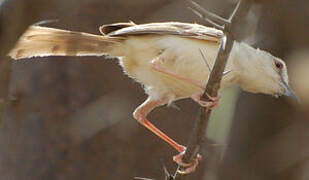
(165,58)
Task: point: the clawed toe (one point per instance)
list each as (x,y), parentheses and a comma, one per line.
(189,167)
(212,104)
(208,104)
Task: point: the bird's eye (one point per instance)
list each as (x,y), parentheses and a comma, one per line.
(278,64)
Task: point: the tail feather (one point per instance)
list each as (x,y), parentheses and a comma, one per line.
(43,41)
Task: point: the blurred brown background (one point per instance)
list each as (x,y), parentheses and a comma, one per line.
(69,118)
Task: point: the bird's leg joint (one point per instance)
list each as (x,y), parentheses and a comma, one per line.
(139,116)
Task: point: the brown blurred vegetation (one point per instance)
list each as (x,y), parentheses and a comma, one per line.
(70,118)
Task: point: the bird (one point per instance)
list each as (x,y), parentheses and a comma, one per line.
(172,61)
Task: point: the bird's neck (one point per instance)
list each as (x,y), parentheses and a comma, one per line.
(242,62)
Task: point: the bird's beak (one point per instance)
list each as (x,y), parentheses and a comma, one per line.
(289,91)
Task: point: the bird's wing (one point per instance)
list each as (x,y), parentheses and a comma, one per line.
(44,41)
(173,28)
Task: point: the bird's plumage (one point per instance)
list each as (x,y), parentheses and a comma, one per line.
(177,45)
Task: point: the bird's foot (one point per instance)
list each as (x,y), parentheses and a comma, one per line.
(212,104)
(189,167)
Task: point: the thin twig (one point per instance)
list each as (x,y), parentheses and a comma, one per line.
(213,84)
(209,14)
(234,12)
(216,25)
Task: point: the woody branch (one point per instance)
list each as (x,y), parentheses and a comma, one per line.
(213,84)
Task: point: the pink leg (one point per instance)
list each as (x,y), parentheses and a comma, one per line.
(196,97)
(140,115)
(156,66)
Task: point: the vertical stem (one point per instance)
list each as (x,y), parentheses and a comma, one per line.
(213,85)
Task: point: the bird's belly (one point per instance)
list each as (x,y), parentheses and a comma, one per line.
(158,84)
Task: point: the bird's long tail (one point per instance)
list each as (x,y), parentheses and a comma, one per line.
(40,41)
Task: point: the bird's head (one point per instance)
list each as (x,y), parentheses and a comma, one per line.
(261,72)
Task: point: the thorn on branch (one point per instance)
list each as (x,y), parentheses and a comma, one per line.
(205,60)
(208,65)
(168,176)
